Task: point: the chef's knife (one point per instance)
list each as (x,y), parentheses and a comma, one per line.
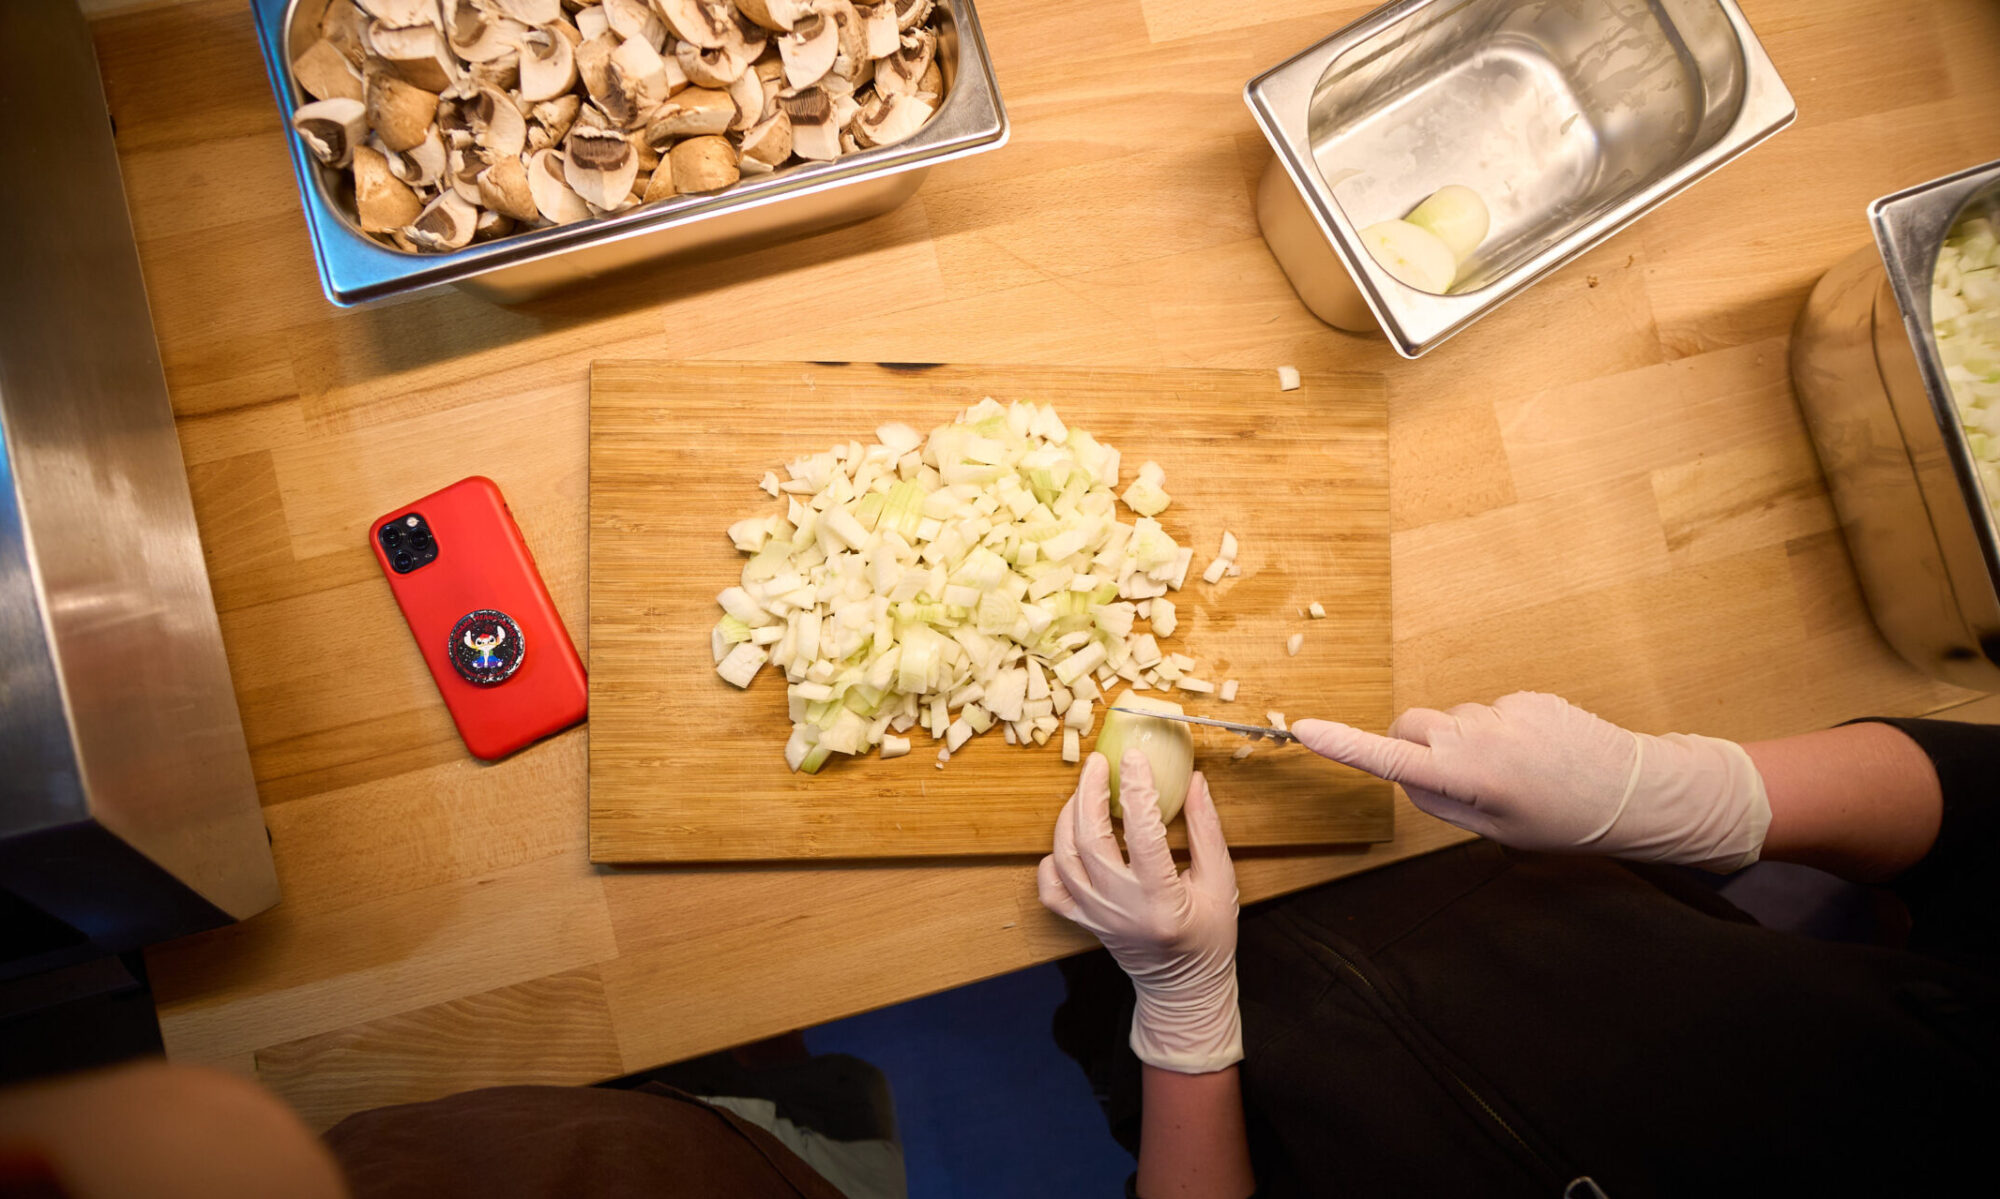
(1256,732)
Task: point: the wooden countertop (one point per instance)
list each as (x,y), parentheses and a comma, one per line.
(1605,490)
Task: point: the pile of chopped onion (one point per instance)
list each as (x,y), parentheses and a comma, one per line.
(1965,309)
(974,578)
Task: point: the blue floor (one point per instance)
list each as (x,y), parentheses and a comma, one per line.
(986,1103)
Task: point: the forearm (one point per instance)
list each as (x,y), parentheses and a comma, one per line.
(1861,801)
(1192,1144)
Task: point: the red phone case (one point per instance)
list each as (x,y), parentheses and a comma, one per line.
(483,619)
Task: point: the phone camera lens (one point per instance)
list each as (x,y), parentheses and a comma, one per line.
(403,560)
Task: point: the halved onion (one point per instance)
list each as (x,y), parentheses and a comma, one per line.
(1458,216)
(1167,744)
(1412,255)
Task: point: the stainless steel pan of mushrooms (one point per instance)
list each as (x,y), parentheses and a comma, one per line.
(463,121)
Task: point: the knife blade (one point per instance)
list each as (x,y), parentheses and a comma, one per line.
(1256,732)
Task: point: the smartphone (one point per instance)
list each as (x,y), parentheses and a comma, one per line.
(482,617)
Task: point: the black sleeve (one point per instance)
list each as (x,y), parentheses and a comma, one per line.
(1950,892)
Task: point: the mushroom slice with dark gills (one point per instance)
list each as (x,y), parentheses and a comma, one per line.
(600,165)
(332,128)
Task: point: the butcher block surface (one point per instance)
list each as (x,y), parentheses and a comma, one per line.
(684,767)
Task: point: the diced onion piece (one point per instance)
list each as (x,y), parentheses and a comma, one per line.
(1215,571)
(741,664)
(1316,610)
(1288,378)
(1072,746)
(1277,721)
(957,734)
(769,482)
(1198,686)
(1228,549)
(1295,643)
(1228,692)
(1164,618)
(1167,745)
(894,746)
(1243,751)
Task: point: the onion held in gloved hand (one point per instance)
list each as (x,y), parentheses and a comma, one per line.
(1167,744)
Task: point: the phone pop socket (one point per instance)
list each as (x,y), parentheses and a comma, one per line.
(486,647)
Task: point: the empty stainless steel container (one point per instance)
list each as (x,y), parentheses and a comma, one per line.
(1866,368)
(1570,118)
(355,268)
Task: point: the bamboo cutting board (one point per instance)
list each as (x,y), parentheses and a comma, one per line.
(686,768)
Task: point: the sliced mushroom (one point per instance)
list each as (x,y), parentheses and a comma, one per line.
(492,225)
(461,174)
(778,16)
(332,128)
(418,53)
(590,116)
(768,143)
(852,62)
(446,223)
(845,106)
(487,115)
(660,185)
(810,48)
(423,164)
(911,13)
(879,20)
(631,19)
(346,26)
(635,83)
(503,187)
(549,122)
(402,12)
(532,13)
(902,72)
(696,111)
(381,201)
(747,93)
(888,119)
(326,74)
(477,34)
(930,89)
(592,22)
(502,73)
(706,23)
(400,112)
(593,61)
(709,68)
(703,164)
(599,165)
(554,198)
(814,134)
(548,64)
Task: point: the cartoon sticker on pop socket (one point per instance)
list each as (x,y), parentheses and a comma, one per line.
(486,647)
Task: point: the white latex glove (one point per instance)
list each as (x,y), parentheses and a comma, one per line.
(1536,772)
(1174,933)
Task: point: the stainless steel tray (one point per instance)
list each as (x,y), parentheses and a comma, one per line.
(354,268)
(1869,378)
(1571,118)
